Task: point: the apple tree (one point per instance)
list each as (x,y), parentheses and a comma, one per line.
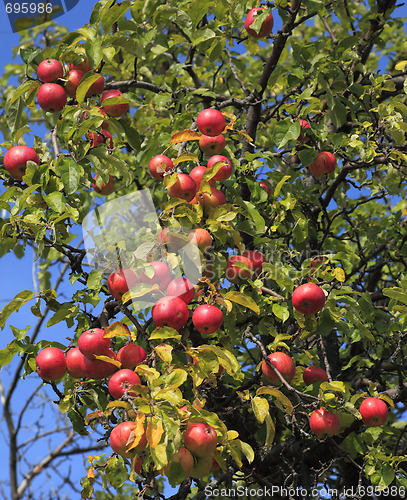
(221,188)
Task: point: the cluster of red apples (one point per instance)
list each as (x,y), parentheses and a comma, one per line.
(211,123)
(52,97)
(307,299)
(90,359)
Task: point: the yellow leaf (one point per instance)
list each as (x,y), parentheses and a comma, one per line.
(185,157)
(164,352)
(282,401)
(400,66)
(260,408)
(184,136)
(225,303)
(91,473)
(136,433)
(107,359)
(232,119)
(243,300)
(339,274)
(145,371)
(232,435)
(154,431)
(116,328)
(245,135)
(270,430)
(93,415)
(118,404)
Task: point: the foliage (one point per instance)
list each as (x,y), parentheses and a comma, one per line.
(338,65)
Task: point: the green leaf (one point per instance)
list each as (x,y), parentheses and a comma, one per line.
(94,52)
(396,294)
(71,173)
(281,311)
(14,112)
(243,300)
(291,135)
(22,89)
(115,13)
(388,476)
(270,430)
(165,333)
(85,85)
(94,280)
(260,408)
(19,300)
(175,379)
(56,201)
(116,471)
(7,354)
(280,185)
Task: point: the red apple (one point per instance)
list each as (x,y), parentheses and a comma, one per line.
(97,87)
(211,122)
(161,277)
(115,110)
(74,363)
(121,381)
(74,79)
(308,298)
(92,343)
(185,459)
(284,364)
(51,97)
(257,259)
(224,172)
(104,189)
(202,467)
(303,137)
(98,368)
(16,158)
(313,374)
(51,363)
(137,465)
(323,423)
(158,165)
(172,239)
(102,137)
(131,355)
(84,66)
(196,200)
(200,439)
(265,186)
(236,274)
(324,163)
(182,288)
(184,188)
(266,26)
(373,411)
(213,200)
(212,145)
(197,173)
(170,311)
(50,70)
(207,318)
(120,282)
(122,434)
(201,238)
